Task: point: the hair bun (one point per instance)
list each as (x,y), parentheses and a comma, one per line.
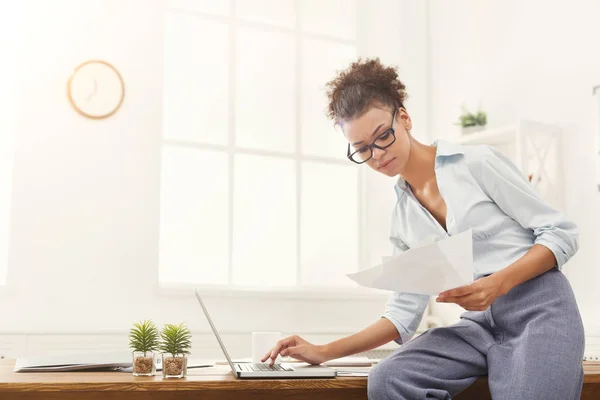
(365,83)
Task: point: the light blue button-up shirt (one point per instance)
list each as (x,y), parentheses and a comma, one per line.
(484,191)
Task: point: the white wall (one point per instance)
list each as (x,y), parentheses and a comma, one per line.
(9,25)
(404,47)
(533,59)
(85,192)
(84,228)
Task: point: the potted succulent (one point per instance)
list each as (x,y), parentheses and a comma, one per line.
(175,345)
(144,340)
(471,122)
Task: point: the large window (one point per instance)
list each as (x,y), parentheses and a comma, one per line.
(8,122)
(255,188)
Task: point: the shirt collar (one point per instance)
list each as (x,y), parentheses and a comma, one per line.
(443,150)
(447,149)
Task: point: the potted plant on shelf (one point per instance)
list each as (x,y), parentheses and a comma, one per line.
(175,345)
(471,122)
(143,339)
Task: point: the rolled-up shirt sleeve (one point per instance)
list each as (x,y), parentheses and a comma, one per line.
(405,310)
(504,184)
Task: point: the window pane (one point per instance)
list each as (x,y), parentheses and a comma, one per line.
(331,17)
(264,232)
(320,61)
(196,79)
(194,218)
(219,7)
(265,95)
(274,12)
(329,225)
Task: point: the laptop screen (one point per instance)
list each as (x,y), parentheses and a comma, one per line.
(215,332)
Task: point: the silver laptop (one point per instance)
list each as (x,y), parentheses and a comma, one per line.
(262,371)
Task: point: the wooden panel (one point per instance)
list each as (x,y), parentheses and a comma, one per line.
(477,391)
(348,394)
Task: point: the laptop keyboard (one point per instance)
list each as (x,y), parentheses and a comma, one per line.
(260,367)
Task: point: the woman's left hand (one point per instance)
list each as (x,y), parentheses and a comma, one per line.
(477,296)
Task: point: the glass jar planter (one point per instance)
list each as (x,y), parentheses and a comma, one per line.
(144,363)
(174,365)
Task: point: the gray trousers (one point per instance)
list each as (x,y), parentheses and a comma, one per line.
(530,343)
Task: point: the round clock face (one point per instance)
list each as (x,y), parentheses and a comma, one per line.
(96,89)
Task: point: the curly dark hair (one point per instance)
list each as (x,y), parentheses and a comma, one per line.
(364,84)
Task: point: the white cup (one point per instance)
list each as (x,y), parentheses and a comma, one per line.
(262,342)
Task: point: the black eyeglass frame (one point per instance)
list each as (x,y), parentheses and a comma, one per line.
(391,131)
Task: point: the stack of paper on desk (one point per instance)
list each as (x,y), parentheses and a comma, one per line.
(349,371)
(351,361)
(74,362)
(430,269)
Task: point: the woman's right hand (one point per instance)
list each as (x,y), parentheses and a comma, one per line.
(298,348)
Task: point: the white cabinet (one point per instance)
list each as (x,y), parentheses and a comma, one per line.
(536,149)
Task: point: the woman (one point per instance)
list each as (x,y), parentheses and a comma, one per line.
(522,326)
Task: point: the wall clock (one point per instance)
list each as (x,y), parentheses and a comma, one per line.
(96,89)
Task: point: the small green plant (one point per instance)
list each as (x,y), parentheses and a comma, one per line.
(144,337)
(468,119)
(175,339)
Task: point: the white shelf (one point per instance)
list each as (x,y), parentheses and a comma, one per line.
(490,136)
(534,147)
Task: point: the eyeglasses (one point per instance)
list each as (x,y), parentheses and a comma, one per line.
(383,141)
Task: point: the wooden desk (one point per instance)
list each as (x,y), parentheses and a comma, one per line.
(210,383)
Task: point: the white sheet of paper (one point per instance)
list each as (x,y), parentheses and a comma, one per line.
(429,269)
